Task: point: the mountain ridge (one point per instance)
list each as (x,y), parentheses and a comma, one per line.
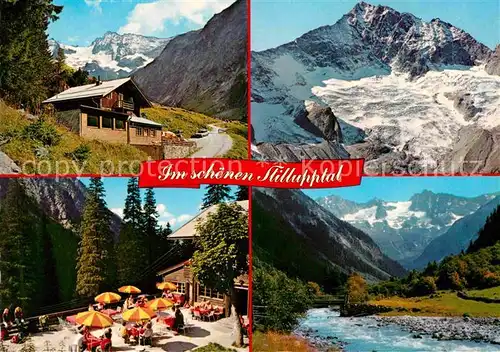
(403,229)
(203,70)
(369,52)
(334,240)
(112,55)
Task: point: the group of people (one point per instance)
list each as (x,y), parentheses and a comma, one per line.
(130,303)
(100,306)
(8,320)
(84,336)
(145,332)
(205,304)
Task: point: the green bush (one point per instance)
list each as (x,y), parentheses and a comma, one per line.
(81,153)
(43,132)
(279,301)
(423,286)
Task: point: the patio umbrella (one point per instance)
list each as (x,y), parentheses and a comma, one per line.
(159,304)
(129,289)
(94,319)
(138,314)
(108,297)
(166,286)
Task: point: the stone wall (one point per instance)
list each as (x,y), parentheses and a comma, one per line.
(171,151)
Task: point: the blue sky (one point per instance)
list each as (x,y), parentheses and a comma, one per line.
(402,188)
(276,22)
(81,21)
(175,205)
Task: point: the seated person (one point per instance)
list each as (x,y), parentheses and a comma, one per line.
(100,306)
(6,318)
(80,340)
(18,316)
(146,335)
(244,327)
(107,334)
(4,333)
(179,320)
(124,332)
(91,307)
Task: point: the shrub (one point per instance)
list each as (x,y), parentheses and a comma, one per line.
(357,289)
(423,286)
(43,132)
(314,288)
(81,153)
(278,300)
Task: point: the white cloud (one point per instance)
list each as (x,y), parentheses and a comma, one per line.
(150,18)
(184,217)
(118,211)
(96,4)
(73,39)
(162,211)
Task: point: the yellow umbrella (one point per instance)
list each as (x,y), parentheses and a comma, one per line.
(138,314)
(94,319)
(129,289)
(108,297)
(166,286)
(160,304)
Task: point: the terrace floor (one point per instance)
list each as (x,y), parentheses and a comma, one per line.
(200,334)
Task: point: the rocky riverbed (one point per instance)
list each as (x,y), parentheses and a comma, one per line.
(327,331)
(449,328)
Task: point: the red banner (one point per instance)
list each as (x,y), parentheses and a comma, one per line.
(193,172)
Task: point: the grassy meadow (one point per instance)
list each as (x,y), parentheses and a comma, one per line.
(443,303)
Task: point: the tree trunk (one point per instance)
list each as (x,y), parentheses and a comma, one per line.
(238,334)
(227,306)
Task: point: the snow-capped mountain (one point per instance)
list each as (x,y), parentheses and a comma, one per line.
(403,229)
(458,237)
(400,89)
(112,55)
(330,238)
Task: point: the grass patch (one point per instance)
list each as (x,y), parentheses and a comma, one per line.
(214,347)
(493,292)
(238,131)
(445,303)
(272,341)
(175,119)
(67,152)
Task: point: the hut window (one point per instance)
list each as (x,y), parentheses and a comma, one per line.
(119,124)
(206,292)
(138,131)
(181,287)
(93,121)
(107,122)
(153,133)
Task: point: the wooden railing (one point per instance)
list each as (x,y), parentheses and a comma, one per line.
(122,104)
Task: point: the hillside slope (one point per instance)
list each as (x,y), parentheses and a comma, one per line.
(323,235)
(203,70)
(457,237)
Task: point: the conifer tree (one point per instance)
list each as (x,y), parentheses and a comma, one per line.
(132,247)
(25,61)
(242,193)
(151,229)
(216,194)
(21,250)
(95,249)
(489,233)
